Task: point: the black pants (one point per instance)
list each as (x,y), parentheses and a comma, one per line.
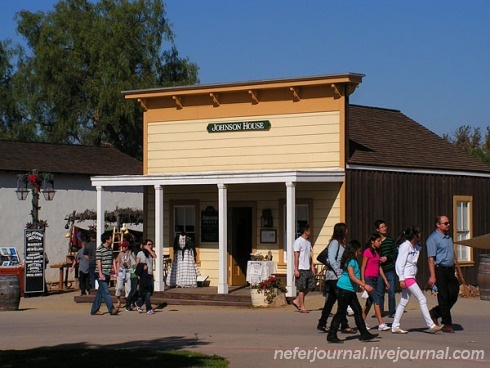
(331,289)
(133,294)
(344,299)
(84,282)
(448,290)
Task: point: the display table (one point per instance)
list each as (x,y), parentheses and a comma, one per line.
(62,266)
(258,271)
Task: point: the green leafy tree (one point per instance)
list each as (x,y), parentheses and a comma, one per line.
(82,55)
(12,123)
(470,140)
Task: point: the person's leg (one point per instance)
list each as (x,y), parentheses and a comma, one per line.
(443,298)
(453,286)
(342,303)
(91,272)
(361,325)
(419,295)
(330,285)
(391,277)
(373,295)
(381,296)
(97,301)
(148,301)
(106,296)
(82,280)
(134,285)
(401,308)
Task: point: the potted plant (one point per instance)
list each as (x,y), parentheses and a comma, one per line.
(264,292)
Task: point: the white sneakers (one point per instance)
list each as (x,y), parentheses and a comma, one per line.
(398,330)
(383,327)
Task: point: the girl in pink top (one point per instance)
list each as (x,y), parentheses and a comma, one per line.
(372,274)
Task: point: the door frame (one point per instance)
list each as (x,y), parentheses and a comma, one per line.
(231,205)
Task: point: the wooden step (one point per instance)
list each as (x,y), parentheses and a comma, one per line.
(181,297)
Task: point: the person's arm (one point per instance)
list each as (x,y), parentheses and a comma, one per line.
(333,250)
(296,264)
(363,267)
(381,272)
(431,259)
(312,266)
(362,284)
(400,264)
(152,253)
(432,270)
(99,270)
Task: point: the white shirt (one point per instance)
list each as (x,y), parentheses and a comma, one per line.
(406,262)
(303,246)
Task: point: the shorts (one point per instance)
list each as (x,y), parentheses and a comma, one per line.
(306,280)
(373,281)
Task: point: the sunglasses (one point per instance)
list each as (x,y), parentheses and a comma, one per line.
(445,223)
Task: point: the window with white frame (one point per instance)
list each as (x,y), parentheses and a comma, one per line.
(301,219)
(185,220)
(462,225)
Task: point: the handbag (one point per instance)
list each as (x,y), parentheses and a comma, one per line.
(323,257)
(364,295)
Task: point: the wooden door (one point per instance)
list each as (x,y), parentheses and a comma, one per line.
(240,235)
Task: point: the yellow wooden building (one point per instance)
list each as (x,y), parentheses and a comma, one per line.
(239,166)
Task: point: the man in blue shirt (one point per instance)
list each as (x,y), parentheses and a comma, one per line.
(440,252)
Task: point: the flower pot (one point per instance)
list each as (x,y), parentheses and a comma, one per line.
(258,299)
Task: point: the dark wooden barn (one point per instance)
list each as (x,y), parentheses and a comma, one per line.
(401,172)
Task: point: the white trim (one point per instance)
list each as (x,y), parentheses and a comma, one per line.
(223,239)
(290,233)
(158,242)
(335,175)
(418,171)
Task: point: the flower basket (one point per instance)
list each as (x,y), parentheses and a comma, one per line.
(258,299)
(265,292)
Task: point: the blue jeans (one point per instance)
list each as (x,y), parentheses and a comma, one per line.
(102,293)
(390,276)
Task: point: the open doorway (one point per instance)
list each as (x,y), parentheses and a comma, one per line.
(240,236)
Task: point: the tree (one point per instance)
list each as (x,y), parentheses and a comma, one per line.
(83,55)
(470,140)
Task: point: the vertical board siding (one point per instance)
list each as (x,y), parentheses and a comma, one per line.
(404,199)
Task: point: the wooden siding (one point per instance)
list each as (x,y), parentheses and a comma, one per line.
(404,199)
(322,197)
(294,142)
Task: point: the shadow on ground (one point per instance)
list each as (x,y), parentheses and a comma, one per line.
(154,353)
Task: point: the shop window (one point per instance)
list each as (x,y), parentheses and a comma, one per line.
(463,227)
(185,219)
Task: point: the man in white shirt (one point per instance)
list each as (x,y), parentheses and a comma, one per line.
(303,267)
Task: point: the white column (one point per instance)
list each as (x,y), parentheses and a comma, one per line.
(159,284)
(223,240)
(100,216)
(290,233)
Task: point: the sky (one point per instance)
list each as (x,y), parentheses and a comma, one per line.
(428,59)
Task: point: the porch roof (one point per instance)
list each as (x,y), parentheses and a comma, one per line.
(335,175)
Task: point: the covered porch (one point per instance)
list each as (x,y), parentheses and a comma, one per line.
(222,182)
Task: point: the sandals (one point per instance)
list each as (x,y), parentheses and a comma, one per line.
(347,330)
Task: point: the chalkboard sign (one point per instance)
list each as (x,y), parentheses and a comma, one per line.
(34,260)
(209,225)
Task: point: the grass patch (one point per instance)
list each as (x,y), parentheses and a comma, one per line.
(83,358)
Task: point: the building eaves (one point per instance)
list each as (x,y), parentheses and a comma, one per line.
(66,159)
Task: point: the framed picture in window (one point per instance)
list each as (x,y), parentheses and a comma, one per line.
(268,236)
